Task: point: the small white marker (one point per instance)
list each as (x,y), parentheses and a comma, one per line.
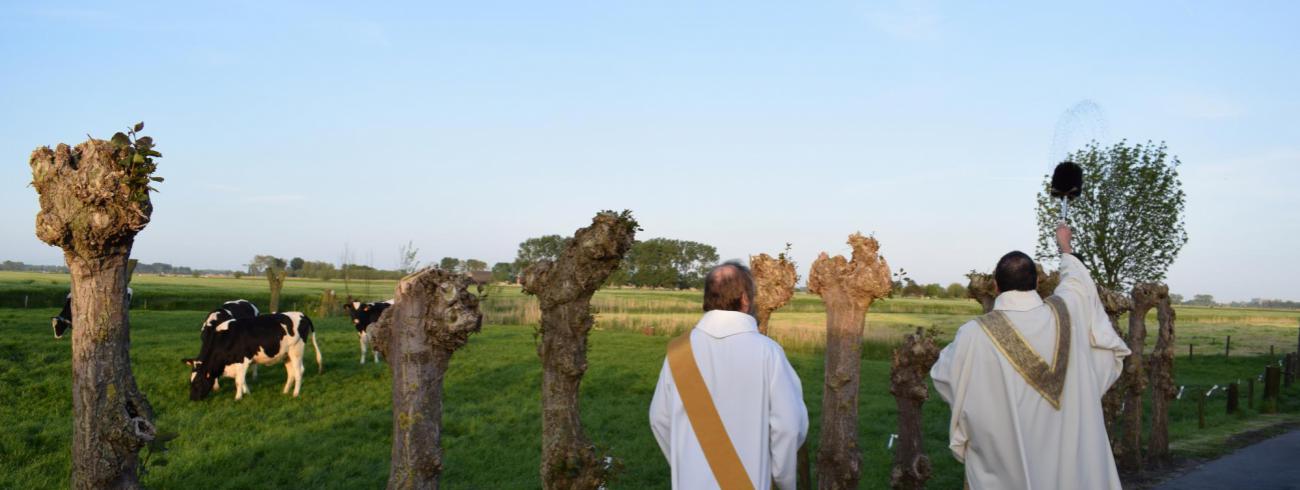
(1180,392)
(1211,392)
(890,444)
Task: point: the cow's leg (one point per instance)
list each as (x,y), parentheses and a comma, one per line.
(361,338)
(240,370)
(216,383)
(288,371)
(297,385)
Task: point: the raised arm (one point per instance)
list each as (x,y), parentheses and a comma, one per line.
(1086,311)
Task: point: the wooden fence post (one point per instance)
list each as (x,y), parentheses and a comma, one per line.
(1227,347)
(1272,378)
(910,367)
(1288,369)
(1232,398)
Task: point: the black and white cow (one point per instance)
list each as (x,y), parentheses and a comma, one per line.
(231,310)
(232,346)
(63,322)
(363,314)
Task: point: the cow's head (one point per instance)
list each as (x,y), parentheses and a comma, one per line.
(362,314)
(201,378)
(60,326)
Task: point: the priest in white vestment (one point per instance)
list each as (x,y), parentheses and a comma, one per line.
(1026,402)
(756,392)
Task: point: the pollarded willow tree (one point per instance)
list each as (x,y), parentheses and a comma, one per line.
(433,315)
(93,200)
(848,288)
(774,279)
(1128,223)
(564,288)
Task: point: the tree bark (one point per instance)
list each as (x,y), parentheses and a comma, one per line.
(775,279)
(1112,402)
(1145,297)
(847,288)
(1047,282)
(275,278)
(1163,389)
(910,367)
(564,288)
(92,208)
(983,289)
(433,314)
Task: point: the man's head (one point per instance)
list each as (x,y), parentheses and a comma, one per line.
(1016,272)
(729,287)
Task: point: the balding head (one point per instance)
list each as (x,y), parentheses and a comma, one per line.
(1016,272)
(729,287)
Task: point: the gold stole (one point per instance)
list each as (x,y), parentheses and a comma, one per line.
(1049,381)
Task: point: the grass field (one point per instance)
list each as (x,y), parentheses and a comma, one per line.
(338,434)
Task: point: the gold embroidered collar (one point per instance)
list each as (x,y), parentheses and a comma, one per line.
(1048,380)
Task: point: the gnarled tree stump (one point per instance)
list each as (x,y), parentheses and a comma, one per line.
(1163,389)
(1047,282)
(1112,402)
(275,279)
(94,199)
(1145,297)
(433,314)
(911,365)
(983,289)
(775,279)
(564,289)
(847,288)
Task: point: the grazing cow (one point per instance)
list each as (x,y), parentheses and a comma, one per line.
(229,349)
(231,310)
(63,322)
(363,314)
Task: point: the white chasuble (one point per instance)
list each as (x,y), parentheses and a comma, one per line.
(1025,386)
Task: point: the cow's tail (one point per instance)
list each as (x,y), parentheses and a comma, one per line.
(320,368)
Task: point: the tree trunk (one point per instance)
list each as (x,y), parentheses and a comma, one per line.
(276,280)
(1112,402)
(1163,389)
(983,289)
(910,367)
(433,314)
(847,288)
(93,200)
(775,279)
(564,288)
(1145,296)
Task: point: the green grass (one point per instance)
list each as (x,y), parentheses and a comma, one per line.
(338,434)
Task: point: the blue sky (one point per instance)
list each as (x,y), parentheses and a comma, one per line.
(296,128)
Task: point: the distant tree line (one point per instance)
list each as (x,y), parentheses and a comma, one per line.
(655,263)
